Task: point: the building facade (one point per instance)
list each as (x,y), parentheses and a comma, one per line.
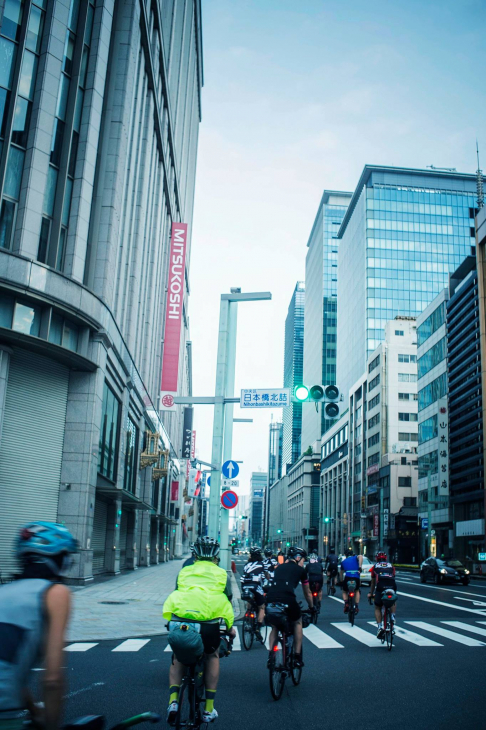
(275,438)
(278,514)
(383,438)
(320,326)
(334,517)
(303,496)
(404,232)
(101,109)
(293,374)
(466,464)
(432,411)
(258,486)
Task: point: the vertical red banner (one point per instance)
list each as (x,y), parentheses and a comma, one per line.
(173,315)
(174,491)
(376,524)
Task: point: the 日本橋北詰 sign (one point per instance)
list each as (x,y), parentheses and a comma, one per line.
(265,398)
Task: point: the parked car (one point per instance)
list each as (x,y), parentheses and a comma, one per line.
(441,571)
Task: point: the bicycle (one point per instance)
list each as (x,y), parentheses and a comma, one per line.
(315,590)
(330,585)
(388,598)
(351,601)
(282,663)
(192,690)
(250,621)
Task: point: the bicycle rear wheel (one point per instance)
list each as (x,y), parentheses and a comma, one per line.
(351,612)
(277,669)
(329,586)
(389,634)
(185,713)
(296,672)
(248,631)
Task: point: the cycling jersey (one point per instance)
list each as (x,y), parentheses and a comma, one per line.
(315,569)
(350,567)
(253,572)
(200,594)
(332,561)
(285,580)
(269,565)
(384,575)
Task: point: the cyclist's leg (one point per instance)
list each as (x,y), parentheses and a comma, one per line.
(176,672)
(211,639)
(298,633)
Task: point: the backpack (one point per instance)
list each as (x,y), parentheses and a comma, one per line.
(185,641)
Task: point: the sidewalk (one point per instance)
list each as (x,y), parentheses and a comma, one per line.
(127,606)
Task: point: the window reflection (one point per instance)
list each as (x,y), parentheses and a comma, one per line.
(26,319)
(12,18)
(20,125)
(8,51)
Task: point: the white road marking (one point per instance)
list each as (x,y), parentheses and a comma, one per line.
(442,588)
(38,669)
(466,640)
(80,646)
(84,689)
(131,645)
(359,634)
(477,611)
(465,627)
(411,636)
(320,639)
(471,600)
(334,598)
(267,640)
(168,648)
(237,642)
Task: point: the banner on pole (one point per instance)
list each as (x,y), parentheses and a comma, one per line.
(187,433)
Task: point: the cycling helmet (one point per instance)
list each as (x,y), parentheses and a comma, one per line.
(296,552)
(313,556)
(255,552)
(206,548)
(381,557)
(332,549)
(268,553)
(349,551)
(45,542)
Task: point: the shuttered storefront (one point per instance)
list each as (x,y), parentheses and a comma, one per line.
(31,446)
(123,539)
(98,539)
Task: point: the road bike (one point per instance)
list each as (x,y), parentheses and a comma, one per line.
(282,662)
(352,601)
(331,589)
(315,590)
(388,632)
(250,621)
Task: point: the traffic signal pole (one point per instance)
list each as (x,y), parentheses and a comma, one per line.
(228,424)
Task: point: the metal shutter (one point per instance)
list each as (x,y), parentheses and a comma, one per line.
(123,539)
(98,539)
(31,446)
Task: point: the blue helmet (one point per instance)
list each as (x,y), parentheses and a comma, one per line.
(45,541)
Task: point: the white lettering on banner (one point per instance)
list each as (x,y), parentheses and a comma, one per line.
(265,398)
(443,460)
(173,316)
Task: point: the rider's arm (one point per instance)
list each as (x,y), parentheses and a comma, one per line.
(227,589)
(307,594)
(58,608)
(360,561)
(373,582)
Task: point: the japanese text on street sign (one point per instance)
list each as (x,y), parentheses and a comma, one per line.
(425,523)
(265,398)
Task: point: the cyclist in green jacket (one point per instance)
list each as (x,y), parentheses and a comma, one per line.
(200,596)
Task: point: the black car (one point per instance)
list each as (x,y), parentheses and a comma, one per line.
(441,571)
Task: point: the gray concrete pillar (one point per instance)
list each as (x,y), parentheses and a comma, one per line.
(112,549)
(132,552)
(144,540)
(5,353)
(154,541)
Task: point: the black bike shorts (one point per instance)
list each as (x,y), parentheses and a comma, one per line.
(293,609)
(210,637)
(315,583)
(332,571)
(346,580)
(257,592)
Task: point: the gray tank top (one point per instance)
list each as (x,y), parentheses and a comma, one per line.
(22,623)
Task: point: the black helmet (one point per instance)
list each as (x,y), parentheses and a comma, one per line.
(332,549)
(268,553)
(349,552)
(206,548)
(296,552)
(256,552)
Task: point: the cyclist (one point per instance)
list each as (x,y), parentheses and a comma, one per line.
(282,590)
(382,577)
(34,613)
(315,572)
(351,570)
(200,596)
(252,580)
(269,563)
(331,567)
(190,561)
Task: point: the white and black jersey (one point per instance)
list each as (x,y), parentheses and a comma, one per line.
(253,573)
(269,565)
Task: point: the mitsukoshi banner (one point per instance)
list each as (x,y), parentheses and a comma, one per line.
(173,317)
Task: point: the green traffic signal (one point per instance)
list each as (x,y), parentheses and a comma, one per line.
(288,544)
(327,519)
(301,392)
(279,531)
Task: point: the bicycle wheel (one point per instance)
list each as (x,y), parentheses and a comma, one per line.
(389,634)
(329,587)
(264,632)
(185,713)
(351,613)
(277,669)
(296,672)
(248,631)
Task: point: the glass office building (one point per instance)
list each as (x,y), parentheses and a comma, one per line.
(404,232)
(293,372)
(320,325)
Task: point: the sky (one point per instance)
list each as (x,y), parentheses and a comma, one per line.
(297,98)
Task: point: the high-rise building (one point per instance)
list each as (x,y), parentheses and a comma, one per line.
(320,332)
(404,232)
(293,373)
(258,486)
(275,451)
(101,104)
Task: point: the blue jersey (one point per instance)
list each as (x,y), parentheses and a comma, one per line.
(350,566)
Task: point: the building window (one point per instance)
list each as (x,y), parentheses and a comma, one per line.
(26,319)
(407,377)
(357,469)
(131,452)
(402,436)
(358,413)
(432,357)
(409,501)
(428,429)
(108,446)
(373,459)
(373,383)
(374,364)
(408,417)
(374,402)
(373,440)
(431,324)
(404,481)
(357,451)
(357,432)
(399,333)
(432,392)
(63,332)
(374,421)
(407,358)
(407,396)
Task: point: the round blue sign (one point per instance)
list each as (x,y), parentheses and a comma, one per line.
(230,469)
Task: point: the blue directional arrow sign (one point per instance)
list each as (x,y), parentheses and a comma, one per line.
(208,481)
(230,469)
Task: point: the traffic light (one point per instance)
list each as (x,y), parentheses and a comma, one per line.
(329,395)
(278,532)
(327,519)
(288,544)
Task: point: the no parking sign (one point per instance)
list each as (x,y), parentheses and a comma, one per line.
(229,499)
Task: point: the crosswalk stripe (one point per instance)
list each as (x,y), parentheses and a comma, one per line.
(359,634)
(131,645)
(168,648)
(237,642)
(412,637)
(465,627)
(84,646)
(466,640)
(479,612)
(321,639)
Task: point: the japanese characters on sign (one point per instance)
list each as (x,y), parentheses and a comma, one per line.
(265,398)
(187,433)
(443,450)
(376,524)
(385,522)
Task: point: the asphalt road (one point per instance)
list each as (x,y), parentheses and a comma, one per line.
(433,677)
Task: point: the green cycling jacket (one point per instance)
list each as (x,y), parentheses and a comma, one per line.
(200,594)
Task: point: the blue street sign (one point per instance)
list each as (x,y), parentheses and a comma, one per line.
(425,523)
(230,469)
(482,556)
(208,481)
